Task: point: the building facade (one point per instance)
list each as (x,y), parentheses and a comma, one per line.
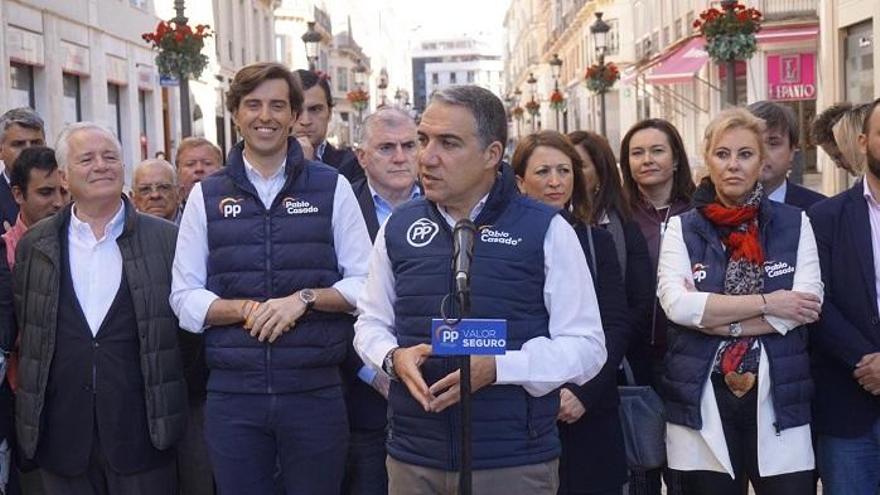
(77,60)
(849,66)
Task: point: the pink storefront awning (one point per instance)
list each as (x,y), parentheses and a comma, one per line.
(682,65)
(788,34)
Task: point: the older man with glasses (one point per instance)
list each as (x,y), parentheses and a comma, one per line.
(155,191)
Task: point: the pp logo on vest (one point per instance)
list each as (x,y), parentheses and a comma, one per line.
(699,271)
(298,206)
(777,268)
(421,232)
(230,207)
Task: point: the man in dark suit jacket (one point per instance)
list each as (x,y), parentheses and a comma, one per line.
(312,124)
(388,157)
(20,128)
(781,138)
(845,342)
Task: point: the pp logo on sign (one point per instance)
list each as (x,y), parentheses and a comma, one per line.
(447,334)
(421,232)
(230,207)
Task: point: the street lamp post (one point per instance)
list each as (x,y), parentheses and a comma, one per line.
(382,87)
(728,6)
(185,114)
(599,30)
(312,38)
(556,69)
(533,87)
(517,94)
(360,73)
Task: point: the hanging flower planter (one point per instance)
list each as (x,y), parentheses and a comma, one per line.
(518,112)
(557,100)
(358,98)
(601,78)
(180,48)
(730,32)
(533,107)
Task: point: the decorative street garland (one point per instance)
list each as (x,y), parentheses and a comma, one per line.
(730,31)
(517,112)
(557,100)
(533,107)
(180,48)
(600,78)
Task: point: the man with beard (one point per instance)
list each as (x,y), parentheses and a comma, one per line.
(845,342)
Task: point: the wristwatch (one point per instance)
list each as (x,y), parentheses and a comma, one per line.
(388,364)
(735,329)
(308,297)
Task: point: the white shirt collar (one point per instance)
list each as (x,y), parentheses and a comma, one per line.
(475,212)
(254,174)
(3,172)
(111,231)
(778,194)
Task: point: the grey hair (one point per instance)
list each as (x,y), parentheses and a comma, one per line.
(25,117)
(390,116)
(62,144)
(487,109)
(159,162)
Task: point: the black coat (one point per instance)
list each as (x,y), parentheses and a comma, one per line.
(801,197)
(850,325)
(344,161)
(593,456)
(8,206)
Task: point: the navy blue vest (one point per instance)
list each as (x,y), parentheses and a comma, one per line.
(510,427)
(690,353)
(260,254)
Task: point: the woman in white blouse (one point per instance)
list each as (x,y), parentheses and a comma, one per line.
(739,278)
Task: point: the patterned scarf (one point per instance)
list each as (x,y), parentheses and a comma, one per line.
(738,229)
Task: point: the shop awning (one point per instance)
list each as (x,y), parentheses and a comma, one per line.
(682,65)
(788,34)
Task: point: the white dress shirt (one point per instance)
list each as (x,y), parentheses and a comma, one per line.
(573,353)
(190,299)
(778,194)
(788,451)
(95,266)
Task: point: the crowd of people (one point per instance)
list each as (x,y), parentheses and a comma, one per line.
(261,323)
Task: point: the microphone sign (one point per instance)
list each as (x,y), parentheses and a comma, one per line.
(470,336)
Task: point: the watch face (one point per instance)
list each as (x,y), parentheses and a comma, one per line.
(307,295)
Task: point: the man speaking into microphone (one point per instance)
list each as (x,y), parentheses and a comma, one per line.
(527,270)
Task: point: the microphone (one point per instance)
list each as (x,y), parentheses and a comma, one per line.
(463,253)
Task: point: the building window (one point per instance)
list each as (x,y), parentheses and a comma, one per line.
(142,122)
(114,108)
(342,79)
(613,38)
(452,78)
(470,77)
(859,62)
(72,106)
(435,78)
(22,90)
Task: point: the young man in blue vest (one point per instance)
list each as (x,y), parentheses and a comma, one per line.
(528,269)
(845,342)
(271,259)
(101,397)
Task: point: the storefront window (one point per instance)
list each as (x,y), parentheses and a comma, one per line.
(72,106)
(114,110)
(22,89)
(859,73)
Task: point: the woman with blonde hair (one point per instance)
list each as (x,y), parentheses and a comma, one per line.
(739,280)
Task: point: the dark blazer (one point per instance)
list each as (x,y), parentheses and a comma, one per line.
(593,456)
(801,197)
(849,327)
(8,206)
(344,161)
(368,207)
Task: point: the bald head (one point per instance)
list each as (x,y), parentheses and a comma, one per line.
(155,189)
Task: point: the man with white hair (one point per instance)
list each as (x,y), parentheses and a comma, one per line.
(155,190)
(101,398)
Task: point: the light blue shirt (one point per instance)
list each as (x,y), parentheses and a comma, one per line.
(383,207)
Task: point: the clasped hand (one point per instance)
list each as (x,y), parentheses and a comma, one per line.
(270,319)
(446,391)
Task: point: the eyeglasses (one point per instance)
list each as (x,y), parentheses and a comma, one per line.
(147,189)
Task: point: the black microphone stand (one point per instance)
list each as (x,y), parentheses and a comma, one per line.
(464,478)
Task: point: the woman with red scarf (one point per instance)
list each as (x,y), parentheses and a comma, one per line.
(739,279)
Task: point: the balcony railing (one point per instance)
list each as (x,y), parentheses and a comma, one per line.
(784,9)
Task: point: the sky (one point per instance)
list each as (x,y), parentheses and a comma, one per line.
(442,18)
